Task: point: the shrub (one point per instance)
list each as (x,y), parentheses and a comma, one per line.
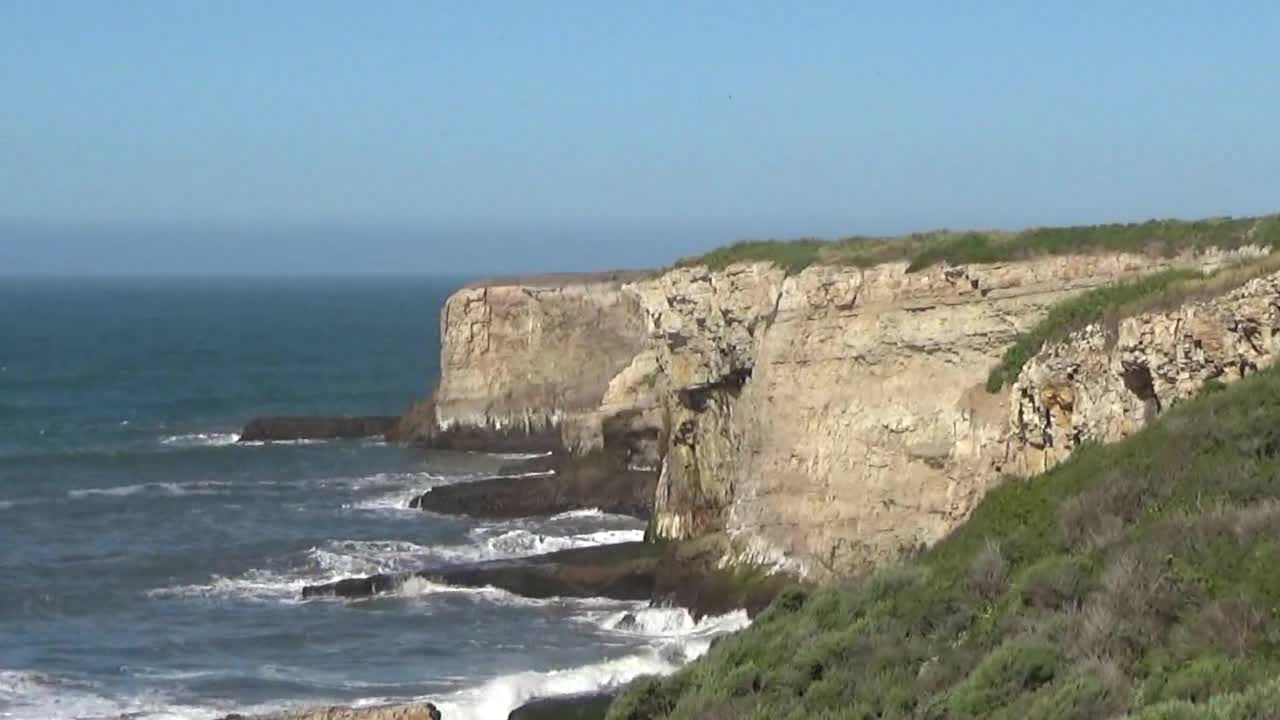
(1076,313)
(1057,582)
(645,698)
(1179,597)
(1198,680)
(1098,690)
(989,574)
(1016,667)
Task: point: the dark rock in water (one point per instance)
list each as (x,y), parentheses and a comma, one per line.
(623,571)
(592,481)
(306,427)
(689,575)
(411,711)
(575,707)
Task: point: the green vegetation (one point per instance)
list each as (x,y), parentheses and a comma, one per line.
(922,250)
(1136,579)
(1162,290)
(1076,313)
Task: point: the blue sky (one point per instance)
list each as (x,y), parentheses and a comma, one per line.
(510,136)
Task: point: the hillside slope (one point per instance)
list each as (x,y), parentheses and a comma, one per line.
(1131,579)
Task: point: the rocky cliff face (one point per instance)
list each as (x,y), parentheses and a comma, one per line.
(522,358)
(826,421)
(1108,380)
(829,420)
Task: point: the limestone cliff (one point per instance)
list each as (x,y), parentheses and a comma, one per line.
(830,420)
(1104,382)
(522,357)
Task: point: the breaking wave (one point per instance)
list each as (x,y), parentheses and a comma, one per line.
(206,487)
(678,640)
(214,439)
(41,696)
(340,559)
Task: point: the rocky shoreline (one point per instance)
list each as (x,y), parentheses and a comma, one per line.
(547,486)
(280,428)
(610,478)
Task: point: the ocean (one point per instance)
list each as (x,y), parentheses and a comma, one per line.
(152,566)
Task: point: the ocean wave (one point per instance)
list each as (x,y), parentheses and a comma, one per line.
(523,543)
(399,499)
(296,441)
(252,586)
(40,696)
(667,623)
(520,456)
(338,559)
(212,439)
(579,514)
(498,697)
(204,487)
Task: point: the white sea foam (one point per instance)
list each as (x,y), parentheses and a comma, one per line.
(576,514)
(667,623)
(677,640)
(423,482)
(204,487)
(520,456)
(340,559)
(296,441)
(212,439)
(498,697)
(41,696)
(254,586)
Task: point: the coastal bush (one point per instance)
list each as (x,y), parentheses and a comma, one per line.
(1076,313)
(926,249)
(1166,608)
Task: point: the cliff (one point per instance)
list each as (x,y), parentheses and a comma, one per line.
(829,420)
(1107,380)
(522,357)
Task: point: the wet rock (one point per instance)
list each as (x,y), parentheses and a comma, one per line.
(623,571)
(593,706)
(690,575)
(571,483)
(310,427)
(412,711)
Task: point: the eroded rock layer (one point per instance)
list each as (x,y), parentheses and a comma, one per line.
(1106,381)
(827,421)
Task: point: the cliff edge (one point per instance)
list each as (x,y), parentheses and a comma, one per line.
(828,419)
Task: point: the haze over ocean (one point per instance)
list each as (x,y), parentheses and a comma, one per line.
(506,136)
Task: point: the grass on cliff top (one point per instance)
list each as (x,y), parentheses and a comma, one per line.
(923,250)
(1110,304)
(1136,579)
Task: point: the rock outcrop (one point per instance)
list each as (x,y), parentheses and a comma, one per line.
(412,711)
(547,487)
(830,420)
(593,706)
(623,571)
(315,427)
(520,357)
(1106,381)
(823,422)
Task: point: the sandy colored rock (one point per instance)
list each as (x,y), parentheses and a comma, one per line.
(827,421)
(830,420)
(527,355)
(1104,383)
